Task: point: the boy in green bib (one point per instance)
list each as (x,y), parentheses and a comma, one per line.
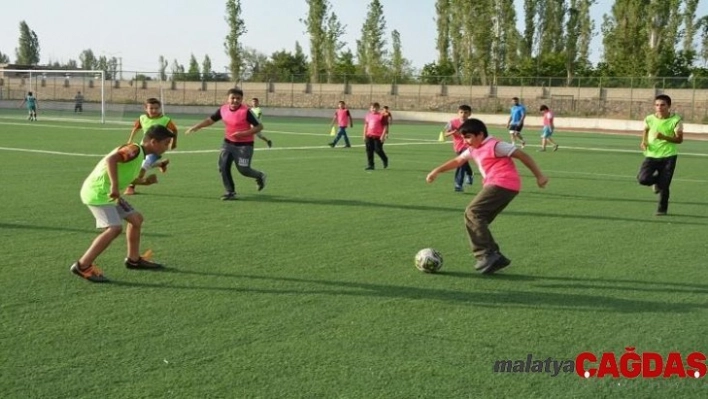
(153,116)
(663,130)
(101,193)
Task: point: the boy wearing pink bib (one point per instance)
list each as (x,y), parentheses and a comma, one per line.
(240,127)
(375,134)
(343,118)
(500,184)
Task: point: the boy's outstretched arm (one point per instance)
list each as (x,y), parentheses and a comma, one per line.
(454,163)
(526,159)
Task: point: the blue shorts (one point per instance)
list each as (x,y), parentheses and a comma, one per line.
(150,161)
(547,132)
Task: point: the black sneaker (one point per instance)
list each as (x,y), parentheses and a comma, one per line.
(331,144)
(386,165)
(142,263)
(92,273)
(485,264)
(261,182)
(270,143)
(229,197)
(369,168)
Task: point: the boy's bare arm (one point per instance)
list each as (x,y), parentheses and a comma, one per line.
(526,159)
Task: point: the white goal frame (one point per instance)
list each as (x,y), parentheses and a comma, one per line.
(34,73)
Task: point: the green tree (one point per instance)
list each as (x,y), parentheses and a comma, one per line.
(206,68)
(4,59)
(88,60)
(572,34)
(550,26)
(530,10)
(27,51)
(434,73)
(333,45)
(236,30)
(253,64)
(506,38)
(373,42)
(400,66)
(586,27)
(625,36)
(177,71)
(442,20)
(284,66)
(345,69)
(315,23)
(192,70)
(162,68)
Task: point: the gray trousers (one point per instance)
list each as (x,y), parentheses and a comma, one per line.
(480,213)
(241,155)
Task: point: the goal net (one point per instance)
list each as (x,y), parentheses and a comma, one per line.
(58,94)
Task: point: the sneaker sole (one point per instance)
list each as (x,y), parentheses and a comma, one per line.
(93,279)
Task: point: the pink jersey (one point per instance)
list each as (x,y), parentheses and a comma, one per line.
(548,118)
(375,123)
(342,117)
(497,171)
(236,121)
(458,141)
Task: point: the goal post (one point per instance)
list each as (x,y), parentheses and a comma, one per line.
(60,94)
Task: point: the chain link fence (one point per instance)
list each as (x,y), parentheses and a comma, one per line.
(592,97)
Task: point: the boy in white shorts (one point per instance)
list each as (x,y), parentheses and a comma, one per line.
(101,193)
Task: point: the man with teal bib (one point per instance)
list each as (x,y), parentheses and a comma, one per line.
(662,132)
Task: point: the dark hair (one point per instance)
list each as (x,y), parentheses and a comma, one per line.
(376,105)
(474,127)
(255,99)
(464,107)
(159,133)
(153,100)
(544,107)
(235,91)
(664,98)
(341,102)
(385,107)
(515,98)
(29,93)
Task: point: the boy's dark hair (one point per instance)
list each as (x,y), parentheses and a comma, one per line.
(465,108)
(515,99)
(341,102)
(474,127)
(385,107)
(544,107)
(153,100)
(29,93)
(376,105)
(255,99)
(235,91)
(159,133)
(665,98)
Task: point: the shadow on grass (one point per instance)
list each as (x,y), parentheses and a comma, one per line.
(19,226)
(610,199)
(649,219)
(491,298)
(267,198)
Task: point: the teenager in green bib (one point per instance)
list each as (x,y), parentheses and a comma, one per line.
(663,130)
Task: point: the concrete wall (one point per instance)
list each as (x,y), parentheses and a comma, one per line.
(567,102)
(567,123)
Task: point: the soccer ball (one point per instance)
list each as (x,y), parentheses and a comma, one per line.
(428,260)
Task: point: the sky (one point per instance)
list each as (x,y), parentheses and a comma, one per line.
(139,31)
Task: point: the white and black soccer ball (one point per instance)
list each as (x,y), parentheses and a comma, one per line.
(428,260)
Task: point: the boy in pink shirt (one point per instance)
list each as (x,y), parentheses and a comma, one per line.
(548,128)
(501,183)
(459,146)
(375,134)
(342,117)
